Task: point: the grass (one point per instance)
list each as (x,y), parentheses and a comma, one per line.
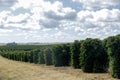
(14,70)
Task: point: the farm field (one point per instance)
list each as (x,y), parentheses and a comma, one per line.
(15,70)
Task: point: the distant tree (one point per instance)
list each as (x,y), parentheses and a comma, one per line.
(11,44)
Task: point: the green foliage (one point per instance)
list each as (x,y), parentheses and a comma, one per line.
(93,58)
(48,56)
(66,54)
(90,55)
(113,48)
(31,57)
(61,55)
(41,57)
(57,55)
(16,55)
(75,52)
(35,55)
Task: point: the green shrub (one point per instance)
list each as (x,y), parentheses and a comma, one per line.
(113,44)
(75,52)
(93,57)
(61,55)
(48,56)
(41,58)
(36,56)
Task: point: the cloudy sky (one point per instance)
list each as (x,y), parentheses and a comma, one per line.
(58,20)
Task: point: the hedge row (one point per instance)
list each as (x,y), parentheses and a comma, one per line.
(91,55)
(113,49)
(25,56)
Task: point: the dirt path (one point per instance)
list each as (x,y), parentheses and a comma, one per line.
(13,70)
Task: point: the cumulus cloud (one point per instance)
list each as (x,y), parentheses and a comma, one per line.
(103,15)
(17,18)
(43,20)
(65,13)
(49,16)
(5,31)
(7,3)
(3,17)
(98,4)
(49,23)
(21,21)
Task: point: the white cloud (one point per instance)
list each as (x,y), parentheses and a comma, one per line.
(5,30)
(60,16)
(27,4)
(49,16)
(103,15)
(29,25)
(83,15)
(78,29)
(98,24)
(98,4)
(3,16)
(61,13)
(106,15)
(7,3)
(60,34)
(17,18)
(51,21)
(33,25)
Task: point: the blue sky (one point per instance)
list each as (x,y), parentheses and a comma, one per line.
(58,20)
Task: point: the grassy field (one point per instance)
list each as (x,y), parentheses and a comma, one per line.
(14,70)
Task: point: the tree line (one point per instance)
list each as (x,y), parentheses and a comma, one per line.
(90,55)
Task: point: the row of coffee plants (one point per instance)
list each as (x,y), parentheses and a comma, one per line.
(90,55)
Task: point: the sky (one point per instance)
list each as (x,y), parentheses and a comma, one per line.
(42,21)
